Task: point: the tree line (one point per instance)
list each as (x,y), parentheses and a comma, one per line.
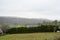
(42,28)
(45,27)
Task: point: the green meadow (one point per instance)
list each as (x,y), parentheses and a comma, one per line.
(31,36)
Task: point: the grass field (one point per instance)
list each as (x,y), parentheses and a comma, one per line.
(30,36)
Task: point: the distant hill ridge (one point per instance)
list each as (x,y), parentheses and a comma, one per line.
(17,20)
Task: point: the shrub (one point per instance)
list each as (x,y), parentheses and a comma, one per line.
(42,28)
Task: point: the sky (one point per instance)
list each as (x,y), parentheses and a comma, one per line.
(47,9)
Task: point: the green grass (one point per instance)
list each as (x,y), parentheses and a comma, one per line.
(30,36)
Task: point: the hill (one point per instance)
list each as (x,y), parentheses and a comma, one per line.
(17,20)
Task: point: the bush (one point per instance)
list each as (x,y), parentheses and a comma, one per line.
(42,28)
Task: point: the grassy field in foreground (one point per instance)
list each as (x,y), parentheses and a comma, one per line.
(30,36)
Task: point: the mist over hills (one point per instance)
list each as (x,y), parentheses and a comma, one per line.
(17,20)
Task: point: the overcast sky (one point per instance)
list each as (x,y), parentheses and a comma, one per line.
(49,9)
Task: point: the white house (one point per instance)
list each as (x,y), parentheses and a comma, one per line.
(58,31)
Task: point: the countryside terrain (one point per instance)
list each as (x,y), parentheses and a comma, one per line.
(41,32)
(29,19)
(31,36)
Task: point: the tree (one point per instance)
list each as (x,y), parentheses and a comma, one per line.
(4,27)
(55,23)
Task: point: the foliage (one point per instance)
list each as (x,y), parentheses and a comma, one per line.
(4,27)
(42,28)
